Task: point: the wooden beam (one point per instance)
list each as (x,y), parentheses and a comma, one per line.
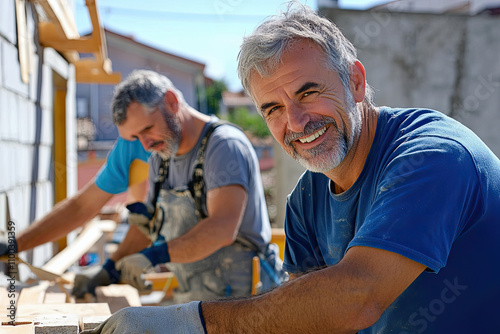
(85,240)
(34,294)
(118,296)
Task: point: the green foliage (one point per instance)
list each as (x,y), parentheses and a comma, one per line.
(249,122)
(214,96)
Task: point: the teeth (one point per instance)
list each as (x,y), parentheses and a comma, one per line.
(313,136)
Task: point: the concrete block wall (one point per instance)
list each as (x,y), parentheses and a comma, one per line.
(450,63)
(26,127)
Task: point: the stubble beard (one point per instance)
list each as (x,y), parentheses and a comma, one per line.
(172,139)
(331,152)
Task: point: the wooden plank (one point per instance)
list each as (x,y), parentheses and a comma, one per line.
(118,296)
(27,311)
(162,281)
(33,294)
(85,240)
(23,41)
(57,324)
(18,328)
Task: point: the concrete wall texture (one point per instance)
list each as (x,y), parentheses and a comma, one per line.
(446,62)
(450,63)
(27,168)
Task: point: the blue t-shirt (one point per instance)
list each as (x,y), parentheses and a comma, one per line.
(113,177)
(230,159)
(430,191)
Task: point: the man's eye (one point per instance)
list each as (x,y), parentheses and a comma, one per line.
(306,94)
(271,110)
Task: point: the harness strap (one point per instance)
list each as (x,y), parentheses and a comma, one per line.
(197,184)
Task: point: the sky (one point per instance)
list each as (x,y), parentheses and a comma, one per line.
(206,31)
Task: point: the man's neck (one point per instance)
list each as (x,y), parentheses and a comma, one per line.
(348,171)
(192,122)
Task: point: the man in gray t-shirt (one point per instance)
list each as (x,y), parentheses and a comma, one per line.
(205,193)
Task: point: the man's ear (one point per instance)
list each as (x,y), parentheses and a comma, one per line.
(358,81)
(171,102)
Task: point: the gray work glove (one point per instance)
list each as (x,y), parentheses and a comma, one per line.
(133,268)
(140,215)
(174,319)
(92,277)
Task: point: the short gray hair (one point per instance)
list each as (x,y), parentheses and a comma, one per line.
(144,87)
(263,49)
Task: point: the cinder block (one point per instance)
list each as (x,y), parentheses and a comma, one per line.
(92,322)
(57,324)
(26,167)
(44,161)
(7,104)
(23,120)
(15,119)
(11,70)
(8,21)
(44,198)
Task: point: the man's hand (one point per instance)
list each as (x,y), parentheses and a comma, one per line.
(90,278)
(133,267)
(140,215)
(175,319)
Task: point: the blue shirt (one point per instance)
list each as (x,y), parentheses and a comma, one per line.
(430,191)
(113,177)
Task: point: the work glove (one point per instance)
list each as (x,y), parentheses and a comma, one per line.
(133,267)
(92,277)
(8,244)
(174,319)
(140,215)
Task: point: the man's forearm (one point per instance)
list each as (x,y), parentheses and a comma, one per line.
(64,217)
(134,242)
(343,298)
(300,306)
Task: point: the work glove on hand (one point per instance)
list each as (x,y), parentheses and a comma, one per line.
(174,319)
(92,277)
(134,266)
(140,215)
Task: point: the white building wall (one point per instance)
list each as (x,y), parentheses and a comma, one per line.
(26,128)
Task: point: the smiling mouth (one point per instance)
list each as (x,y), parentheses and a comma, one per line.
(313,136)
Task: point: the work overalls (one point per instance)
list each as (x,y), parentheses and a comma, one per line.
(228,271)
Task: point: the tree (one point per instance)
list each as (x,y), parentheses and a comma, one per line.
(214,96)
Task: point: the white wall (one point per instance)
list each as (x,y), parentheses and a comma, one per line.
(26,127)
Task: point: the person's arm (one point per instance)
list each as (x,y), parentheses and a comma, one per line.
(343,298)
(64,217)
(225,206)
(134,242)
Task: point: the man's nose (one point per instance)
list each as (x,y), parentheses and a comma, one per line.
(145,141)
(297,117)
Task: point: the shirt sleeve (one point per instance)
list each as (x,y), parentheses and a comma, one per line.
(228,160)
(113,177)
(423,199)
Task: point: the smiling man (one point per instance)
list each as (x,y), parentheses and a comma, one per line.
(390,226)
(211,217)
